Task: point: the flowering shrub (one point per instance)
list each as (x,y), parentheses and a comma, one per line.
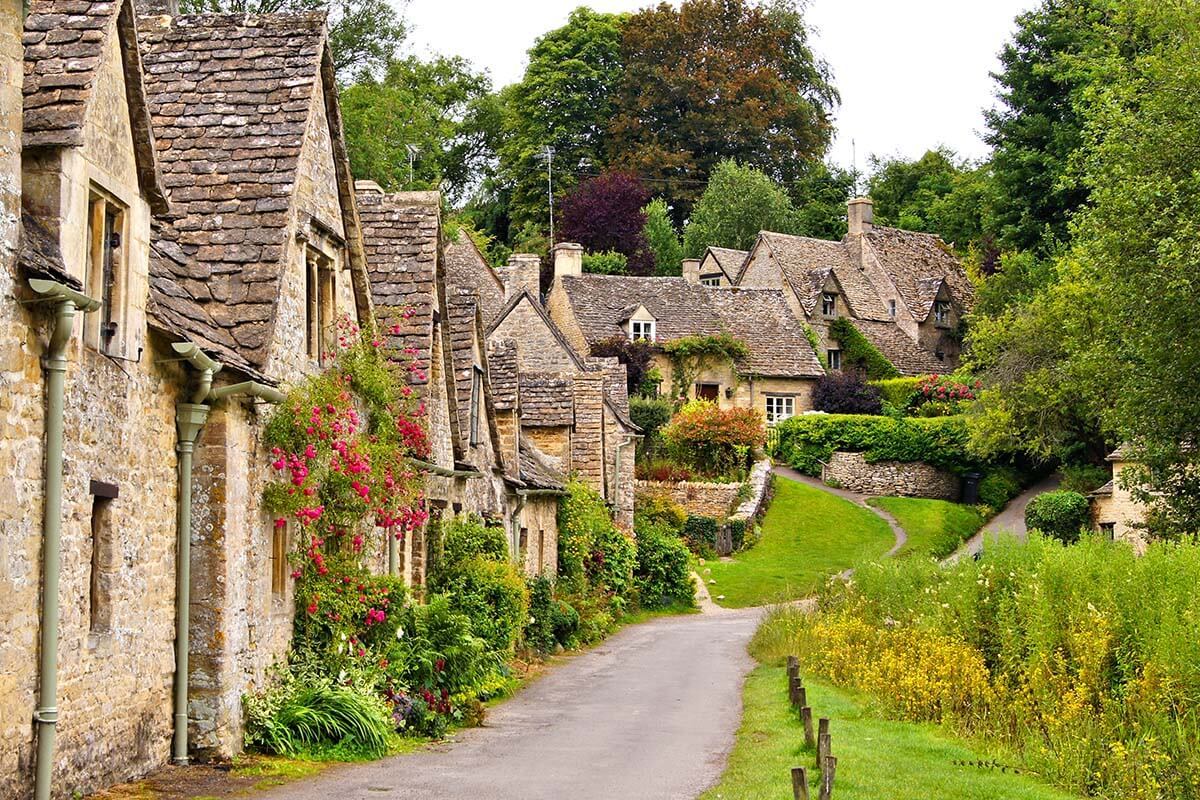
(714,441)
(942,395)
(663,471)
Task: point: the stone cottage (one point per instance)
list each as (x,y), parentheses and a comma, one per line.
(1115,511)
(718,266)
(905,291)
(776,377)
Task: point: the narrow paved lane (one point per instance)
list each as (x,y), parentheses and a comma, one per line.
(648,715)
(1010,521)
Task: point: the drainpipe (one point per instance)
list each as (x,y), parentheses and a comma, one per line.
(189,421)
(66,301)
(515,526)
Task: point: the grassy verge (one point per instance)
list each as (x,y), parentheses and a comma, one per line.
(808,535)
(935,527)
(876,758)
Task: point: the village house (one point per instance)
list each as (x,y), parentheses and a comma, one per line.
(718,266)
(776,376)
(1115,512)
(904,291)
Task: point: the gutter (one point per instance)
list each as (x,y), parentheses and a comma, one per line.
(445,472)
(66,302)
(189,422)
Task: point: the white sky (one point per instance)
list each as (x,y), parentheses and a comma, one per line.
(913,74)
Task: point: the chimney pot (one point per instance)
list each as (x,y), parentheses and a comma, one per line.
(568,259)
(860,212)
(691,270)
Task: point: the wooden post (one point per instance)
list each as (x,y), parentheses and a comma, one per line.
(810,740)
(793,664)
(822,740)
(794,690)
(799,783)
(802,697)
(828,770)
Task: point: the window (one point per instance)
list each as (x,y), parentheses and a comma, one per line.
(279,561)
(780,408)
(641,329)
(892,309)
(834,359)
(940,355)
(319,303)
(828,304)
(1108,530)
(476,402)
(711,280)
(105,279)
(941,312)
(708,391)
(100,573)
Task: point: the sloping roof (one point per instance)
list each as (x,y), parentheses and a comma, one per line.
(917,263)
(547,400)
(39,255)
(1122,453)
(759,317)
(905,354)
(807,263)
(537,471)
(503,373)
(465,266)
(400,236)
(461,313)
(64,47)
(730,261)
(1104,491)
(230,96)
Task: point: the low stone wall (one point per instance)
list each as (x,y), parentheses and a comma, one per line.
(702,499)
(760,480)
(907,479)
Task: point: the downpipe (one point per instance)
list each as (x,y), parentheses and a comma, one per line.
(45,717)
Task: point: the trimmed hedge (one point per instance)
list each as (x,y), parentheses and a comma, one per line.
(897,392)
(806,441)
(1059,514)
(999,486)
(859,353)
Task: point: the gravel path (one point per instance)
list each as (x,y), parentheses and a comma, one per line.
(650,714)
(1009,522)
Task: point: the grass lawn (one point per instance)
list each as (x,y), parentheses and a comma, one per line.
(877,759)
(808,535)
(934,527)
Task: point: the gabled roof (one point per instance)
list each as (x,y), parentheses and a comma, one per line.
(807,265)
(64,47)
(906,355)
(917,264)
(537,471)
(759,317)
(547,400)
(728,260)
(230,96)
(466,266)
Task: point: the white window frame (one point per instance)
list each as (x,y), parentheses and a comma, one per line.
(641,329)
(712,280)
(829,304)
(780,407)
(834,359)
(892,309)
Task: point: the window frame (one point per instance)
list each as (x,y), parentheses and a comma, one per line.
(776,416)
(700,385)
(320,302)
(829,304)
(645,325)
(832,356)
(107,238)
(712,281)
(941,312)
(892,308)
(476,403)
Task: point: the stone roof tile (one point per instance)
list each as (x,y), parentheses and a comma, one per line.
(730,261)
(537,468)
(807,264)
(906,355)
(465,266)
(39,254)
(547,400)
(503,373)
(917,264)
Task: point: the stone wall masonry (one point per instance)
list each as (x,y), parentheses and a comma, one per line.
(702,499)
(906,479)
(538,349)
(760,480)
(587,440)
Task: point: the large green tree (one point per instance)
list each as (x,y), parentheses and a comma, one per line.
(662,239)
(715,80)
(738,202)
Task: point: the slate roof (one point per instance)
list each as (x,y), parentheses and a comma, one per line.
(39,255)
(503,373)
(807,264)
(1104,491)
(917,264)
(465,266)
(230,95)
(760,317)
(461,313)
(537,471)
(730,261)
(905,354)
(547,400)
(400,236)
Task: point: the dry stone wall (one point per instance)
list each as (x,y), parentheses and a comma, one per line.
(906,479)
(702,499)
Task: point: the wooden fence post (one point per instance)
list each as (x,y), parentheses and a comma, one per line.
(828,770)
(795,687)
(802,697)
(799,783)
(793,666)
(810,740)
(822,740)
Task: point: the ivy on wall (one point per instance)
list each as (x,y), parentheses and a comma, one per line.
(858,353)
(690,355)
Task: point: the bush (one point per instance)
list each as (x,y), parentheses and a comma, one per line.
(663,471)
(858,354)
(609,262)
(714,441)
(658,509)
(1059,514)
(539,632)
(296,718)
(806,441)
(638,358)
(942,396)
(897,392)
(595,560)
(1084,478)
(649,414)
(845,393)
(999,486)
(663,575)
(701,534)
(465,537)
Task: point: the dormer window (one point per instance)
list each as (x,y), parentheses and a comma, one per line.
(828,304)
(711,280)
(892,309)
(941,312)
(641,329)
(106,278)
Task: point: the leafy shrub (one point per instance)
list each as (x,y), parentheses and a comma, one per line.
(663,471)
(539,632)
(1084,478)
(658,509)
(737,533)
(701,533)
(897,392)
(942,395)
(663,575)
(595,560)
(998,486)
(464,537)
(649,414)
(845,393)
(609,262)
(806,441)
(1059,514)
(296,718)
(690,355)
(714,441)
(565,622)
(858,354)
(435,648)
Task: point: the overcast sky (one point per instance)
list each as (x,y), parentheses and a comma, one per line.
(913,74)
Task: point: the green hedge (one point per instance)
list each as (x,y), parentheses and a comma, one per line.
(897,392)
(859,353)
(999,486)
(1059,514)
(806,441)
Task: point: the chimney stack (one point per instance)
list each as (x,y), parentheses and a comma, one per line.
(568,259)
(859,213)
(368,186)
(691,270)
(157,8)
(523,273)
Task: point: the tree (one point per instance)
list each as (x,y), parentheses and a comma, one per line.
(605,213)
(819,196)
(637,356)
(363,34)
(435,106)
(662,239)
(717,80)
(738,202)
(563,101)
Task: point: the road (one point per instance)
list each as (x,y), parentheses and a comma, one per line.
(1010,520)
(649,714)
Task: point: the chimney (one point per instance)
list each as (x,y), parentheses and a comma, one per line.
(157,8)
(522,273)
(691,270)
(568,259)
(368,186)
(859,213)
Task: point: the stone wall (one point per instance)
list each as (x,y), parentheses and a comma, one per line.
(587,440)
(760,483)
(1122,511)
(538,349)
(539,520)
(702,499)
(11,77)
(906,479)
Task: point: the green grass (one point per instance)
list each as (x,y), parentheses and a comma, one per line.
(808,535)
(935,527)
(877,759)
